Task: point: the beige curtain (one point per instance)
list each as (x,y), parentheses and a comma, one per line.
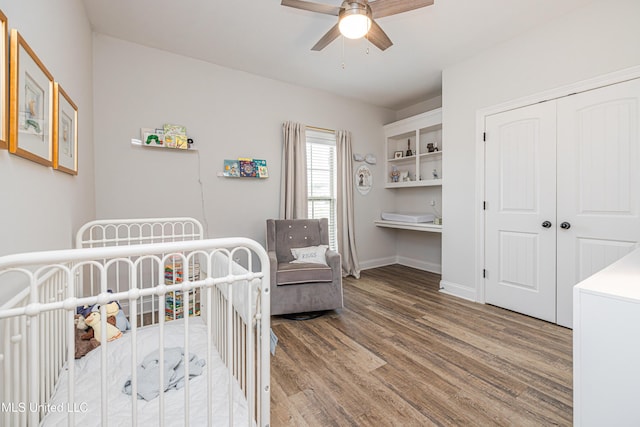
(346,228)
(293,184)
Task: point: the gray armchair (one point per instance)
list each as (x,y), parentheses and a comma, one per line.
(302,287)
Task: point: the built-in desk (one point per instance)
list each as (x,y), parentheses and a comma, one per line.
(416,226)
(606,346)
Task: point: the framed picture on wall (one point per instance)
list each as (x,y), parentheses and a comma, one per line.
(65,132)
(363,179)
(30,104)
(4,64)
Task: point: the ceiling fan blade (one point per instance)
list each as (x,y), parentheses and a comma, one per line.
(381,8)
(313,7)
(378,37)
(330,36)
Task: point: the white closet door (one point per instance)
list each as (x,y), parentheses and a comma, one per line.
(598,184)
(520,229)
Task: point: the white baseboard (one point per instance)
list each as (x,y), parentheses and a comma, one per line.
(457,290)
(420,265)
(380,262)
(409,262)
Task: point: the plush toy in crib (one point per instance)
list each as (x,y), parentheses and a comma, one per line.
(83,346)
(81,323)
(114,309)
(110,334)
(120,321)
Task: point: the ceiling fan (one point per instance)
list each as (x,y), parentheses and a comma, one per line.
(356,18)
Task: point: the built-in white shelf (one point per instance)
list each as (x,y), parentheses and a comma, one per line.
(422,183)
(431,154)
(413,158)
(418,134)
(138,143)
(419,226)
(402,159)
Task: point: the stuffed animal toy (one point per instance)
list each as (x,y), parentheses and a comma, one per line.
(110,334)
(82,324)
(113,309)
(83,346)
(85,310)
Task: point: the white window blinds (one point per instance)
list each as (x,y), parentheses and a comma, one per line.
(321,179)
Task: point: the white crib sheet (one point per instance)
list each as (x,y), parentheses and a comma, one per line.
(87,389)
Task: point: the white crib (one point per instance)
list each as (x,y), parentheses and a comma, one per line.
(42,384)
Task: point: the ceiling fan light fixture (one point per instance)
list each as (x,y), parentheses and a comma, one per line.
(355,21)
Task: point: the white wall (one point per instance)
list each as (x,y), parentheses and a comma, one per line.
(420,107)
(589,42)
(229,114)
(42,208)
(414,248)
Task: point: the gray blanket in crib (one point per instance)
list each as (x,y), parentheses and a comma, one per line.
(174,372)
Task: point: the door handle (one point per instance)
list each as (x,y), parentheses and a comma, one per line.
(565,225)
(546,224)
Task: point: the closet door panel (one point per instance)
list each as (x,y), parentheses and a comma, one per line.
(520,187)
(598,152)
(595,254)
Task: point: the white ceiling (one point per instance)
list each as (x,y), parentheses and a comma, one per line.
(264,38)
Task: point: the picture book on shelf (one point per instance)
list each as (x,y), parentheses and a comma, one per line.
(175,136)
(231,168)
(261,166)
(181,142)
(152,138)
(247,168)
(175,129)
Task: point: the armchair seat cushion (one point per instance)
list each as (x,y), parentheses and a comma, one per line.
(296,273)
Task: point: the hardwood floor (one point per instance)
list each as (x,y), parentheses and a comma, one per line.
(401,353)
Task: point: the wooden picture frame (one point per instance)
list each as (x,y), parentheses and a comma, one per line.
(65,132)
(30,104)
(4,78)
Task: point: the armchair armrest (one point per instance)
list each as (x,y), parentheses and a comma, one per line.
(273,261)
(334,261)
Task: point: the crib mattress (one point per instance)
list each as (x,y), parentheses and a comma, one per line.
(87,406)
(408,217)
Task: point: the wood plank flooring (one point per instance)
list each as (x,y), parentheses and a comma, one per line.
(402,354)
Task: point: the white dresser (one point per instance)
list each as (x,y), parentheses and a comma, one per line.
(606,346)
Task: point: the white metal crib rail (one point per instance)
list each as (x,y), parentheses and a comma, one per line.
(119,232)
(131,231)
(14,332)
(37,326)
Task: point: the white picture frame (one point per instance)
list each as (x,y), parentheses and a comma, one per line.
(363,179)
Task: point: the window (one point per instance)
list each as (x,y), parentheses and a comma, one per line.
(321,179)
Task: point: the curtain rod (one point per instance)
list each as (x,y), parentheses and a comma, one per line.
(320,129)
